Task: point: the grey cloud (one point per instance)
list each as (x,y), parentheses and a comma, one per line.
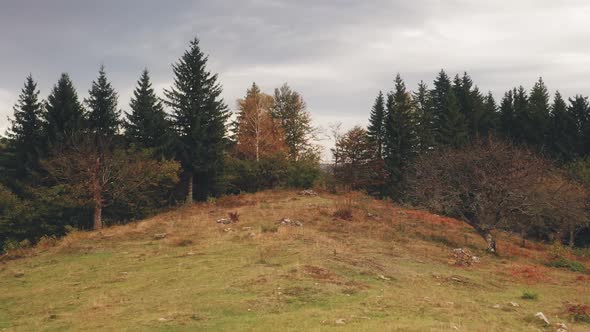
(338,53)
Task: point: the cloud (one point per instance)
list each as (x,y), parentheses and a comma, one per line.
(337,53)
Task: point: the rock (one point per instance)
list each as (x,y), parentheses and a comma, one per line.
(497,306)
(541,316)
(561,327)
(340,321)
(514,304)
(308,192)
(19,274)
(289,222)
(160,236)
(224,221)
(464,257)
(162,319)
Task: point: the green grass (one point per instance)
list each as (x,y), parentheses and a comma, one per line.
(309,278)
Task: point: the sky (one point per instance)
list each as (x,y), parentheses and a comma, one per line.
(337,53)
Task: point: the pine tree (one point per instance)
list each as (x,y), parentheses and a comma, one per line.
(449,123)
(103,116)
(26,128)
(424,118)
(537,120)
(399,145)
(64,115)
(199,116)
(290,109)
(580,109)
(146,126)
(563,131)
(376,130)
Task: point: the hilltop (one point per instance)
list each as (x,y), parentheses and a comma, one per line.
(386,268)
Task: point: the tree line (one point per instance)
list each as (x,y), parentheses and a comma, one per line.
(68,163)
(437,146)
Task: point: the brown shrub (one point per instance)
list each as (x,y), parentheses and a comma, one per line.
(234,216)
(344,209)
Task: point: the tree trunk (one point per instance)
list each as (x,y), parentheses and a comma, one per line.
(97,196)
(523,239)
(97,215)
(572,239)
(491,241)
(189,192)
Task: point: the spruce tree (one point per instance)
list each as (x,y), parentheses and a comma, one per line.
(580,109)
(489,120)
(25,132)
(452,129)
(103,116)
(199,115)
(64,115)
(507,116)
(563,133)
(376,130)
(146,126)
(538,121)
(424,118)
(399,144)
(449,123)
(520,126)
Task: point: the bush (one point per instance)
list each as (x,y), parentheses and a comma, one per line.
(528,295)
(269,172)
(269,228)
(568,264)
(579,312)
(344,210)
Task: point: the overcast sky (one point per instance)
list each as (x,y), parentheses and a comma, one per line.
(337,53)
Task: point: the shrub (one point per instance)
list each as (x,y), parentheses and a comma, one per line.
(269,228)
(568,264)
(528,295)
(579,312)
(344,210)
(234,216)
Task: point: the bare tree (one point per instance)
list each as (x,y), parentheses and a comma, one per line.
(98,177)
(492,185)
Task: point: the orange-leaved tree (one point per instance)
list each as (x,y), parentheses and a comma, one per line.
(258,134)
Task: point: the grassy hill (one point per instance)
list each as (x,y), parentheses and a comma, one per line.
(387,269)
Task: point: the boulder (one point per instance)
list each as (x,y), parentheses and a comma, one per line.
(160,236)
(289,222)
(464,257)
(561,327)
(308,192)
